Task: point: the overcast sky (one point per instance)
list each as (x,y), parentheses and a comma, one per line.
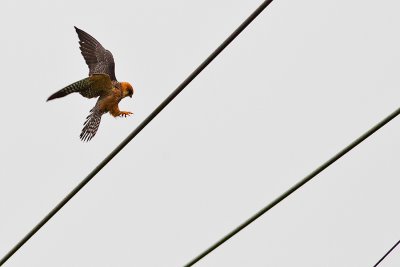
(302,82)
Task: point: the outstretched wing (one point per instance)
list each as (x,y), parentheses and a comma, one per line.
(91,124)
(96,56)
(93,86)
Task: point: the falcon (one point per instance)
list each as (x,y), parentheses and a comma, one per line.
(101,84)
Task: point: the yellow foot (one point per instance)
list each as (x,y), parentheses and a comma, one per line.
(125,113)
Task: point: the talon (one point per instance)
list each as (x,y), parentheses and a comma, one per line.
(125,113)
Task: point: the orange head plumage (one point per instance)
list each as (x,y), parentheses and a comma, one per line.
(127,89)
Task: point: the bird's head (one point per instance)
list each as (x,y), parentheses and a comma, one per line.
(127,89)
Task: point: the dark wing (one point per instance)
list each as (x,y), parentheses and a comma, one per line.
(93,86)
(96,56)
(91,124)
(99,85)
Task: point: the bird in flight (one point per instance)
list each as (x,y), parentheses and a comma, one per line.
(101,83)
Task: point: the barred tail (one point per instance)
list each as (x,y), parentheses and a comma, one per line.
(72,88)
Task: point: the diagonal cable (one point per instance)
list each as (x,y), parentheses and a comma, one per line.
(139,128)
(299,184)
(387,253)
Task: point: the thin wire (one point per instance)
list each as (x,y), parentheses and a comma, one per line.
(296,186)
(179,89)
(387,253)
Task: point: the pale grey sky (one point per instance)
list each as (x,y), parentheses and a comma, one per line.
(303,81)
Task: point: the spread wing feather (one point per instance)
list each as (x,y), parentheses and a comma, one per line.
(98,59)
(91,124)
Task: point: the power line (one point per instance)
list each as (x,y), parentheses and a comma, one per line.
(387,253)
(295,187)
(141,126)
